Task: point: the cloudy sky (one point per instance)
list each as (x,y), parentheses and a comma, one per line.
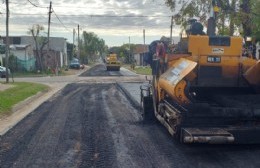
(112,20)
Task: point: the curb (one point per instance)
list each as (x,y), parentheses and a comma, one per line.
(29,100)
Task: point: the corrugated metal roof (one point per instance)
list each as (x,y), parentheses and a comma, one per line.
(19,46)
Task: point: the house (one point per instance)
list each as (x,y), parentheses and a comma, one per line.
(55,57)
(139,53)
(25,59)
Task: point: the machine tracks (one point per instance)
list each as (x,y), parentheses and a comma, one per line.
(85,125)
(97,143)
(95,125)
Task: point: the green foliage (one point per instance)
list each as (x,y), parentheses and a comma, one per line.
(256,19)
(143,70)
(189,9)
(125,52)
(92,47)
(233,14)
(17,93)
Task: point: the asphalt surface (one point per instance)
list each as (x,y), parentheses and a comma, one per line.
(92,122)
(132,91)
(56,83)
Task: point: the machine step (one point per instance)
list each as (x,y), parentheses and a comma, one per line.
(206,135)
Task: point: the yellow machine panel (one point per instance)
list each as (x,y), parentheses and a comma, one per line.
(203,89)
(206,45)
(207,92)
(220,61)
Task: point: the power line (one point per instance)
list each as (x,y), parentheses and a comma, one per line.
(31,14)
(87,7)
(93,7)
(60,20)
(16,3)
(131,16)
(109,16)
(88,15)
(37,6)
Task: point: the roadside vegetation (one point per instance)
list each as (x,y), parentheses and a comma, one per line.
(142,70)
(233,17)
(62,72)
(16,93)
(28,74)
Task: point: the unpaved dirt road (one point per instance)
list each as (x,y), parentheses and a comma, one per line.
(94,125)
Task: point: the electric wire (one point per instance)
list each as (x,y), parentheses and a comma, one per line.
(37,6)
(88,15)
(105,15)
(60,21)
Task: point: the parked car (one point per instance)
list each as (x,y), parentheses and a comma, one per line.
(74,64)
(3,72)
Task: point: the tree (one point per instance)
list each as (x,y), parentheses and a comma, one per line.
(70,50)
(189,9)
(232,15)
(246,17)
(40,43)
(124,52)
(12,63)
(92,47)
(256,19)
(102,48)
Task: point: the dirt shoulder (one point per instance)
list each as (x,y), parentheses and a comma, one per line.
(5,86)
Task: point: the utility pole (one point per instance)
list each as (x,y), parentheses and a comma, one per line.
(7,42)
(144,35)
(78,43)
(211,30)
(49,23)
(130,50)
(74,32)
(171,30)
(143,47)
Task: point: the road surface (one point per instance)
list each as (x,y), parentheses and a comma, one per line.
(93,124)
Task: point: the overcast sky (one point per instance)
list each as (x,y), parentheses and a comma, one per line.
(112,20)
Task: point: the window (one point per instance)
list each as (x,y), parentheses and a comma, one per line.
(219,41)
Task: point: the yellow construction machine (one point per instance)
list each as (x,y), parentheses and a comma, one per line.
(112,63)
(204,90)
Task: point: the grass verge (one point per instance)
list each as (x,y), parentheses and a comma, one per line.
(142,70)
(17,93)
(62,72)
